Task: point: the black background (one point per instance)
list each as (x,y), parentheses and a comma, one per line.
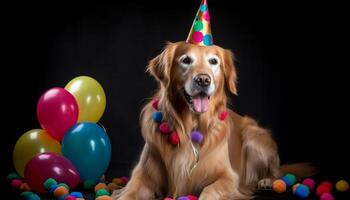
(289,56)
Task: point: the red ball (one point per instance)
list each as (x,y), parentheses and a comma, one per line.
(322,189)
(328,185)
(327,196)
(310,183)
(164,128)
(223,115)
(174,138)
(16,183)
(192,197)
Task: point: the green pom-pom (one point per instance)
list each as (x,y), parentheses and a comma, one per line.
(24,195)
(48,183)
(64,185)
(12,176)
(102,192)
(89,184)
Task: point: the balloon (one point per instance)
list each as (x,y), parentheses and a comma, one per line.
(30,144)
(57,111)
(50,165)
(90,97)
(88,147)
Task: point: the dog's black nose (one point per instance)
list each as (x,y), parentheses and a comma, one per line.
(202,80)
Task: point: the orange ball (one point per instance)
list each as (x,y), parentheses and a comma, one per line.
(105,197)
(25,187)
(60,191)
(101,186)
(279,186)
(118,181)
(113,186)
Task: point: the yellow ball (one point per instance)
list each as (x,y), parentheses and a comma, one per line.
(279,186)
(342,186)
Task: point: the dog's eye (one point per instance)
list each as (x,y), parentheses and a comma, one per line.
(187,60)
(213,61)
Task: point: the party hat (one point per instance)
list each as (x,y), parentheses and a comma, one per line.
(200,33)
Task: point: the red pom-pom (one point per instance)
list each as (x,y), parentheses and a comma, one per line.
(16,183)
(192,197)
(322,189)
(328,185)
(164,128)
(174,138)
(155,103)
(223,115)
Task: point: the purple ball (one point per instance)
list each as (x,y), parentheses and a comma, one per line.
(183,198)
(197,137)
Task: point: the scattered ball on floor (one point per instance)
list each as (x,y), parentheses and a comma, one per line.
(25,187)
(295,187)
(279,186)
(328,185)
(76,194)
(289,179)
(326,196)
(70,197)
(60,191)
(113,186)
(105,197)
(102,192)
(192,197)
(16,183)
(49,182)
(101,186)
(12,176)
(33,196)
(321,189)
(24,195)
(310,183)
(342,186)
(302,191)
(118,181)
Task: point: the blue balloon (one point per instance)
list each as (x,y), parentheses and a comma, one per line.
(88,147)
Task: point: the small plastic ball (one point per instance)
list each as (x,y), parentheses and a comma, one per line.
(12,176)
(25,187)
(101,186)
(113,186)
(53,188)
(16,183)
(24,195)
(183,198)
(70,197)
(60,191)
(118,181)
(326,196)
(164,128)
(279,186)
(89,184)
(64,185)
(33,196)
(302,191)
(342,186)
(102,192)
(322,189)
(174,138)
(192,197)
(295,187)
(197,137)
(105,197)
(328,185)
(76,194)
(50,181)
(310,183)
(157,116)
(289,179)
(223,115)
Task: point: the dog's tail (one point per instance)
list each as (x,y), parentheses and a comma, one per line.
(300,170)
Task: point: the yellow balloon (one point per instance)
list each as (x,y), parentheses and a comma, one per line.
(90,97)
(30,144)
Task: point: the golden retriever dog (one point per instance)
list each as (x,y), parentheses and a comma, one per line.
(236,155)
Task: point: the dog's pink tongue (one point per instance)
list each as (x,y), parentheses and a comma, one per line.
(200,103)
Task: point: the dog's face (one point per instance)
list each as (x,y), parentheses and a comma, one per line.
(195,73)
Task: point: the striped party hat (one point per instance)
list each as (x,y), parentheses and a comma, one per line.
(200,33)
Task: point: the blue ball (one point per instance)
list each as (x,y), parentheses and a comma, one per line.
(157,116)
(183,198)
(33,197)
(302,191)
(53,188)
(289,179)
(77,194)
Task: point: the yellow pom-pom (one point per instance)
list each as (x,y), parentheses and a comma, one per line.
(279,186)
(60,191)
(101,186)
(295,187)
(342,186)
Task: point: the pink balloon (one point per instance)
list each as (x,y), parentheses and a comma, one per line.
(57,111)
(50,165)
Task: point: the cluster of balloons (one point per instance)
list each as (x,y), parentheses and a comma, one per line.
(70,147)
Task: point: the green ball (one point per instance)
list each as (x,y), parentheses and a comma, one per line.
(48,183)
(33,197)
(102,192)
(289,179)
(64,185)
(12,176)
(24,195)
(89,184)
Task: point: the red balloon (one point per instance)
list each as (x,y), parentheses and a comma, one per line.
(57,111)
(50,165)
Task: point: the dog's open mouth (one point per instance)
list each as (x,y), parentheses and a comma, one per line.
(199,102)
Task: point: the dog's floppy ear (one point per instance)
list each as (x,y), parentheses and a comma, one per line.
(160,66)
(230,71)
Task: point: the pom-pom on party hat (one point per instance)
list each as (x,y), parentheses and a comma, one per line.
(200,33)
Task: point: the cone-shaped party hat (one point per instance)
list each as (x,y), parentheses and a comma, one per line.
(200,33)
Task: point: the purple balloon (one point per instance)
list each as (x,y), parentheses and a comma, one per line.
(57,111)
(50,165)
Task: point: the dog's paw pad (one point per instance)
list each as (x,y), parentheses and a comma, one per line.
(265,183)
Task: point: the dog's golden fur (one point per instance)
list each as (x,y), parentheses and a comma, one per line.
(235,155)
